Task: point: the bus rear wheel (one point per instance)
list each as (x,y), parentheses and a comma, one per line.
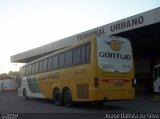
(57,97)
(68,98)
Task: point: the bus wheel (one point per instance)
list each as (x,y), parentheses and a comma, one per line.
(57,97)
(25,94)
(68,98)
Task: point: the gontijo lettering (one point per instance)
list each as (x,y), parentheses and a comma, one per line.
(115,55)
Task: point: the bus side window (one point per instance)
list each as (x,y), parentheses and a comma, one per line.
(76,56)
(40,66)
(24,71)
(50,61)
(68,58)
(33,68)
(27,68)
(21,72)
(55,62)
(83,54)
(45,62)
(30,69)
(36,67)
(61,60)
(88,52)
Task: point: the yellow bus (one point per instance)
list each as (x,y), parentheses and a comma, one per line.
(97,69)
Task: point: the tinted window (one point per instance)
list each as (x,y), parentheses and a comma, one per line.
(87,52)
(36,67)
(24,71)
(68,58)
(55,62)
(50,60)
(40,66)
(33,68)
(30,69)
(76,56)
(61,60)
(45,65)
(83,53)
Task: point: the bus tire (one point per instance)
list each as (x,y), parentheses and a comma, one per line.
(68,98)
(25,94)
(57,97)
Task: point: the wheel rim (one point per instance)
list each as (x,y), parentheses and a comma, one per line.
(57,98)
(68,100)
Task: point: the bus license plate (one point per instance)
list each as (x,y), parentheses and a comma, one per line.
(119,84)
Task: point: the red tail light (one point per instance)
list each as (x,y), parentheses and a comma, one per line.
(95,82)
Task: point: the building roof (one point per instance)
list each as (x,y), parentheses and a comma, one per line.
(137,21)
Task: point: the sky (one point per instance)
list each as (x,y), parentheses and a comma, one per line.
(27,24)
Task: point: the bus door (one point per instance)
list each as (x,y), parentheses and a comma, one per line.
(156,79)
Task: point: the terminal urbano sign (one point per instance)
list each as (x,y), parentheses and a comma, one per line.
(95,32)
(127,24)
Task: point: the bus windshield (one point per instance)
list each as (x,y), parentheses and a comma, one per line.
(114,54)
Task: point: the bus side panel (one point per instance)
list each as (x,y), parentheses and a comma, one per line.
(79,79)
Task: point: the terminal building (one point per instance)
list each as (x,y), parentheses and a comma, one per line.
(143,30)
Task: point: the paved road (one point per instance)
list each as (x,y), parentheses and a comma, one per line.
(11,103)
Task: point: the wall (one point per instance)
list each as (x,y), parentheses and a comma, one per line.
(143,74)
(8,85)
